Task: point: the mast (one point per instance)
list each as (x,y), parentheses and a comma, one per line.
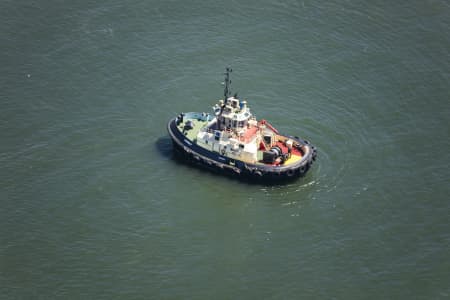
(227,90)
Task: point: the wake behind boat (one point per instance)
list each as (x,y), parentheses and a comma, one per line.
(231,140)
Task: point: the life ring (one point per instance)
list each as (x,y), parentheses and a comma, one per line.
(258,173)
(302,170)
(290,172)
(314,155)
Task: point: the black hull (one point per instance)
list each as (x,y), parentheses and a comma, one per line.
(196,155)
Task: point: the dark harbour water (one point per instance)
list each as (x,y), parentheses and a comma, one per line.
(92,206)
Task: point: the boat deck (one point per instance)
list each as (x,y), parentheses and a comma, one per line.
(296,155)
(249,134)
(192,133)
(198,123)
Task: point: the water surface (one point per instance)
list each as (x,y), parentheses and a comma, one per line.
(94,207)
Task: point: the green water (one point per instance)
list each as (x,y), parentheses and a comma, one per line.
(93,206)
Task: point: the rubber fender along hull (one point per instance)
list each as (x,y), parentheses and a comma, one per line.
(192,153)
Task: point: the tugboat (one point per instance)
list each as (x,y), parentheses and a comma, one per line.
(231,140)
